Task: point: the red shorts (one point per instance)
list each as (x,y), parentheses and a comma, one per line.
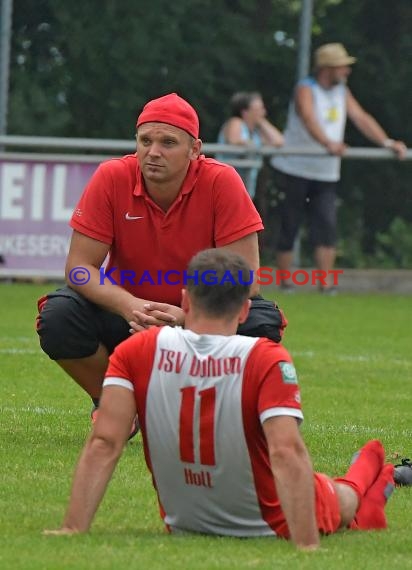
(327,508)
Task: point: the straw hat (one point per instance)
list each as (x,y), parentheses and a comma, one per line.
(332,55)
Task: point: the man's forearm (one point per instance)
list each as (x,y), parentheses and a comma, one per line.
(296,491)
(371,129)
(316,131)
(93,472)
(108,295)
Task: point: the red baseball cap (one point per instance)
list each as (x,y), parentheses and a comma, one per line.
(173,110)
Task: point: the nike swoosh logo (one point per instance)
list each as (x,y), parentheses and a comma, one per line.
(129,217)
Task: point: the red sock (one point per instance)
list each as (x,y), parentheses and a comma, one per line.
(365,468)
(371,514)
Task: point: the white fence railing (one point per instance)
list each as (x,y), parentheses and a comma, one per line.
(41,180)
(110,146)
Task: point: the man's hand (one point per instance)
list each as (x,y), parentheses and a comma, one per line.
(156,314)
(335,148)
(64,531)
(398,147)
(308,548)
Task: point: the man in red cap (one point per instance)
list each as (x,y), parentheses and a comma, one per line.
(149,212)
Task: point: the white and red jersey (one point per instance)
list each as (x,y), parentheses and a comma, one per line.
(201,400)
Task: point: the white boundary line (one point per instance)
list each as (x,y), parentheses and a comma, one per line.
(20,351)
(328,428)
(17,338)
(299,354)
(353,357)
(41,411)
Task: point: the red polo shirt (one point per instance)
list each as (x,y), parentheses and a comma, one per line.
(212,209)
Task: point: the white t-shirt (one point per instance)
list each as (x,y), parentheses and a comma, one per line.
(330,111)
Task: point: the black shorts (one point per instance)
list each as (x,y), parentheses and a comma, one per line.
(71,327)
(318,199)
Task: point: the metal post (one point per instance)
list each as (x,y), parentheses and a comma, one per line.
(5,38)
(305,34)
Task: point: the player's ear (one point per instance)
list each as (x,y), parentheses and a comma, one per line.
(195,149)
(185,301)
(244,313)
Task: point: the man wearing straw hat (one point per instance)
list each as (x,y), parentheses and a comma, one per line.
(316,120)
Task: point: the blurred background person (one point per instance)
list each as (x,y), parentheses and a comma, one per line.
(316,119)
(249,127)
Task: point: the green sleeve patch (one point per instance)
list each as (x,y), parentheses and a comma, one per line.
(288,371)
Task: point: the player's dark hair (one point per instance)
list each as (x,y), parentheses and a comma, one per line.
(241,101)
(222,284)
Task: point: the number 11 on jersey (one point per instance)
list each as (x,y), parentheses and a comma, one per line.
(205,439)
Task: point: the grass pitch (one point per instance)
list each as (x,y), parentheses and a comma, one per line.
(354,359)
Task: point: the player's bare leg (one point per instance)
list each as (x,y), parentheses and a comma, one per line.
(88,372)
(284,261)
(325,260)
(348,503)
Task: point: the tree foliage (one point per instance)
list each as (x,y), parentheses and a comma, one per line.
(97,62)
(86,68)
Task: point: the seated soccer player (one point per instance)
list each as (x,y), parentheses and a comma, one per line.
(220,416)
